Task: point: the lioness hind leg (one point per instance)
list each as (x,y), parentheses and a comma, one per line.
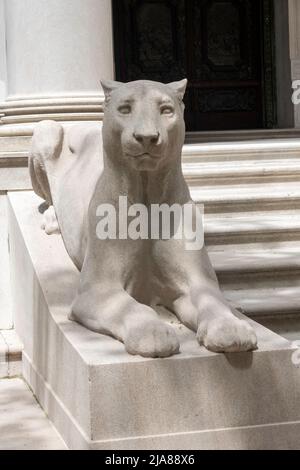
(39,179)
(50,222)
(46,145)
(116,313)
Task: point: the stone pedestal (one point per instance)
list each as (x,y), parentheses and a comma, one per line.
(14,175)
(5,294)
(99,397)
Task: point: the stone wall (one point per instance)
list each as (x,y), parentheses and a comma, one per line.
(13,177)
(294,39)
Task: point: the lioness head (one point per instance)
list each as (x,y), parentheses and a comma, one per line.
(143,121)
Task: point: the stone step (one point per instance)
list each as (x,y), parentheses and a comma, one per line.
(228,172)
(231,261)
(262,301)
(10,354)
(236,151)
(241,227)
(287,326)
(13,143)
(241,135)
(13,159)
(263,280)
(13,154)
(241,197)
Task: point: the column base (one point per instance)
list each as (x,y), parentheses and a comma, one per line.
(20,113)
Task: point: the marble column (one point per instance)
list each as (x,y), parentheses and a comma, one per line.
(57,51)
(2,53)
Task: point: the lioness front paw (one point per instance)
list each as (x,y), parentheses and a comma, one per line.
(152,339)
(227,335)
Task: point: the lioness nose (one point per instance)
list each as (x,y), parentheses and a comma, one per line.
(146,138)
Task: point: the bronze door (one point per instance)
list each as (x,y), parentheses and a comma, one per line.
(224,48)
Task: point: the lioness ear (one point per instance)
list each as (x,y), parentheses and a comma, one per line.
(108,87)
(179,88)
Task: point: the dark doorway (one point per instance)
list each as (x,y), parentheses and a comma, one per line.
(224,47)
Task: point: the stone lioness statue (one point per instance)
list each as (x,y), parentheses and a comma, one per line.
(121,279)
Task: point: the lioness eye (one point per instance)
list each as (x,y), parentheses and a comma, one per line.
(167,110)
(126,109)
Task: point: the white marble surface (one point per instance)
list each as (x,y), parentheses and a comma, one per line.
(3,74)
(10,354)
(23,424)
(58,47)
(5,293)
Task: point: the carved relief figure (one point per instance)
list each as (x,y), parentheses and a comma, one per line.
(121,280)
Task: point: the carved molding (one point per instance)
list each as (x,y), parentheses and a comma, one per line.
(22,110)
